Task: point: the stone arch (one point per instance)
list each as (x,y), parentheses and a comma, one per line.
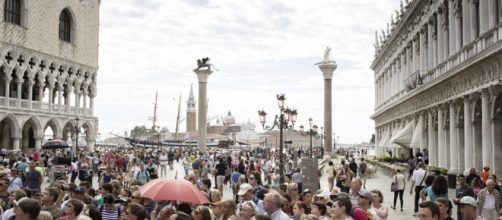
(9,129)
(16,126)
(30,133)
(89,128)
(55,126)
(67,130)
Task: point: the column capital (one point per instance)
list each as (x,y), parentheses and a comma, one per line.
(327,69)
(203,74)
(495,90)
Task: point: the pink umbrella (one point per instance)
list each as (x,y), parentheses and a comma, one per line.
(173,189)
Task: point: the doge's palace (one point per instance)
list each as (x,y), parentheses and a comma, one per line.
(48,71)
(438,72)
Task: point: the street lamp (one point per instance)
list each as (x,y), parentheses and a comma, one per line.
(311,132)
(282,121)
(76,129)
(322,137)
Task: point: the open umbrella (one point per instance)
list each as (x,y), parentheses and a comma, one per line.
(55,144)
(173,189)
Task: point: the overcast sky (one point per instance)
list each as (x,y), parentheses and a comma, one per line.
(261,48)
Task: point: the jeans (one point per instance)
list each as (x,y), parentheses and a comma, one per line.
(400,193)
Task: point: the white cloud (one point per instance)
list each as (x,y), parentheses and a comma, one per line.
(261,47)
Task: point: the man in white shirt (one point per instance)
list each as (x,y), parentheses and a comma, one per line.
(272,205)
(15,181)
(418,182)
(489,201)
(163,164)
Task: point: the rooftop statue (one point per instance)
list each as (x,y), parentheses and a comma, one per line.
(204,62)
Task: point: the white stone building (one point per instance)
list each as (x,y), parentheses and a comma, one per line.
(48,70)
(438,71)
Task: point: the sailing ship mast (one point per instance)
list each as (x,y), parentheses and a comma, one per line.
(177,119)
(154,118)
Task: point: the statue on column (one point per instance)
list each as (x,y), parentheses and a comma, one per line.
(327,58)
(204,62)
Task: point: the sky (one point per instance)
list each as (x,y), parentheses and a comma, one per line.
(260,47)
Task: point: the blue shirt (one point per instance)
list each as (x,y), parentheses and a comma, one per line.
(433,195)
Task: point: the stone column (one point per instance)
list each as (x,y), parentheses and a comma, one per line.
(327,70)
(458,28)
(468,140)
(77,100)
(38,143)
(440,35)
(41,95)
(202,76)
(69,90)
(486,140)
(492,13)
(30,93)
(430,46)
(451,27)
(91,104)
(91,142)
(60,98)
(422,52)
(483,16)
(84,96)
(453,169)
(51,95)
(441,139)
(403,69)
(466,21)
(16,143)
(7,90)
(19,83)
(430,138)
(474,20)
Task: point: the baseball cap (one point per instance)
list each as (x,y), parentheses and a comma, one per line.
(469,201)
(366,194)
(244,188)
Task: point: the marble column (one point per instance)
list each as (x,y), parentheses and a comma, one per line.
(51,96)
(451,27)
(430,46)
(468,140)
(202,76)
(84,103)
(40,95)
(440,35)
(492,13)
(60,98)
(91,142)
(422,53)
(16,143)
(466,21)
(483,16)
(327,70)
(7,90)
(486,140)
(38,143)
(430,139)
(69,91)
(30,84)
(441,139)
(458,29)
(19,84)
(77,100)
(453,169)
(474,19)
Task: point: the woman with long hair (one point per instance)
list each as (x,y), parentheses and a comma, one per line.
(201,213)
(378,211)
(438,189)
(228,208)
(476,186)
(400,181)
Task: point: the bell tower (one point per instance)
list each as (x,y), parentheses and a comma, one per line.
(191,112)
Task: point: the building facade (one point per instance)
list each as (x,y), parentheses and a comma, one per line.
(438,72)
(48,71)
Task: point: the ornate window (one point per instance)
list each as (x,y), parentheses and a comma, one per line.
(65,26)
(12,11)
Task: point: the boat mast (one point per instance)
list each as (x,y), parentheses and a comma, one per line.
(154,118)
(177,119)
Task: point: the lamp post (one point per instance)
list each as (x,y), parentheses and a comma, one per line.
(76,129)
(322,136)
(311,132)
(282,121)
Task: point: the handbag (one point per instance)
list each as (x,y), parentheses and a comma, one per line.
(393,185)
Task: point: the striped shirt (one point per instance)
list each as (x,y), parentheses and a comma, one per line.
(110,215)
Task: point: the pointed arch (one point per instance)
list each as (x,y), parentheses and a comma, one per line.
(14,122)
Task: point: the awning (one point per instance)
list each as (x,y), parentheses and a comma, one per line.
(416,140)
(403,137)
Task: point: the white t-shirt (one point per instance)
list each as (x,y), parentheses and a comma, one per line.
(419,177)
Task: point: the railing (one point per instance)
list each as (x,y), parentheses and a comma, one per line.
(35,106)
(468,51)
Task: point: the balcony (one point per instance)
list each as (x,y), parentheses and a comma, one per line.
(41,107)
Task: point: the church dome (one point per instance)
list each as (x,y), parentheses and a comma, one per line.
(229,119)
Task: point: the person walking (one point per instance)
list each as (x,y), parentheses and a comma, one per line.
(489,201)
(378,211)
(411,166)
(468,208)
(400,181)
(362,171)
(462,190)
(417,183)
(330,170)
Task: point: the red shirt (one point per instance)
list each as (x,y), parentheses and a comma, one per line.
(359,214)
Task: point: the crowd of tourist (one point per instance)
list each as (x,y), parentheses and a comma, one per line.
(106,184)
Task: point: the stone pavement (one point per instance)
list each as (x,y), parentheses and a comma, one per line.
(380,181)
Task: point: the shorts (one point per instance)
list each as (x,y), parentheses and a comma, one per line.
(220,180)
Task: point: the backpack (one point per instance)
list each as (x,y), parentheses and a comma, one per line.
(147,175)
